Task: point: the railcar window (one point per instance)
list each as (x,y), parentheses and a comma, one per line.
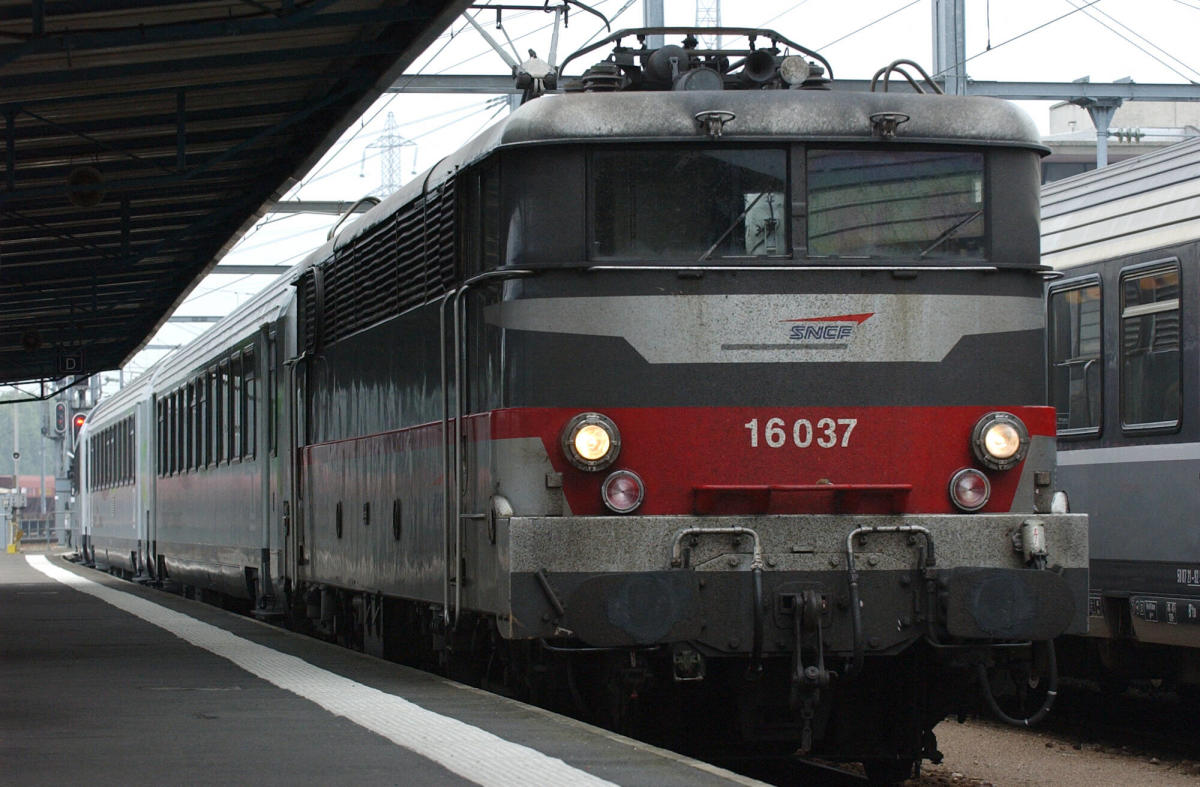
(250,410)
(896,203)
(189,427)
(694,205)
(202,420)
(1150,373)
(161,459)
(173,430)
(272,420)
(235,408)
(130,450)
(222,395)
(1075,366)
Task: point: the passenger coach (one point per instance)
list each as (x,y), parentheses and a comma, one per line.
(1124,376)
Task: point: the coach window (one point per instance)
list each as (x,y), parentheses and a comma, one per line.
(910,204)
(694,205)
(210,449)
(236,407)
(269,399)
(168,433)
(249,396)
(220,389)
(118,471)
(130,450)
(160,419)
(179,417)
(1074,356)
(189,426)
(202,420)
(1150,373)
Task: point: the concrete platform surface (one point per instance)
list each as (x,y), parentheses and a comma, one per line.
(104,682)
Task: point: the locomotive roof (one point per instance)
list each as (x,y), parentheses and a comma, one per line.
(1141,204)
(767,114)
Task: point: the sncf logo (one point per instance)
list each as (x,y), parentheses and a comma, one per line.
(838,328)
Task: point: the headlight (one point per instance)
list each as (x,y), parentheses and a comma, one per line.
(1000,441)
(969,489)
(591,441)
(794,70)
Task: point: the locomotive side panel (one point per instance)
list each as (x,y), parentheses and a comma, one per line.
(376,456)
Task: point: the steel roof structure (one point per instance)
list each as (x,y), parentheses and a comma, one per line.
(142,138)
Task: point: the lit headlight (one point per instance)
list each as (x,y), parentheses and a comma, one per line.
(1000,441)
(591,441)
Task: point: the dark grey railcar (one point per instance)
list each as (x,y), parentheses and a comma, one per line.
(1124,375)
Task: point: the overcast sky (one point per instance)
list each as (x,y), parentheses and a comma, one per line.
(1150,41)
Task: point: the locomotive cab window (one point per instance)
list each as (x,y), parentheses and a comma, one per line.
(911,204)
(689,204)
(1074,356)
(1150,372)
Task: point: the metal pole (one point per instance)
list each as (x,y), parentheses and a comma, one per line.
(652,16)
(950,45)
(16,453)
(42,472)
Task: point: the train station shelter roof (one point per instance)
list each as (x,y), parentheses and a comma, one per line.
(142,138)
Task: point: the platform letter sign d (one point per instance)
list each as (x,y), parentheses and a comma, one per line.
(70,362)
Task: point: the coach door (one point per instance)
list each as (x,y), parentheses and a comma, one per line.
(296,392)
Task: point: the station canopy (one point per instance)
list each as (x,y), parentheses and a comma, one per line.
(142,138)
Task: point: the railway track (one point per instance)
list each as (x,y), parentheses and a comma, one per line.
(784,771)
(1144,719)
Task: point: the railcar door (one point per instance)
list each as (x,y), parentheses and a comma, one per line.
(144,475)
(293,510)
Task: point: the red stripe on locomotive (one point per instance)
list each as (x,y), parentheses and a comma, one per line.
(762,460)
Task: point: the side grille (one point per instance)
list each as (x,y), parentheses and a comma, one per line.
(402,262)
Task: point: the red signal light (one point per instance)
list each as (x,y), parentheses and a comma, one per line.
(77,422)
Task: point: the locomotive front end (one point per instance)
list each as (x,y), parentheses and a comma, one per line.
(767,427)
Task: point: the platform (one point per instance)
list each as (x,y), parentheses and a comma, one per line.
(106,682)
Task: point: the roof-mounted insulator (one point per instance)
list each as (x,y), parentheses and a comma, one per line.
(604,77)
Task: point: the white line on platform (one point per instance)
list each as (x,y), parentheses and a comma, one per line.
(468,751)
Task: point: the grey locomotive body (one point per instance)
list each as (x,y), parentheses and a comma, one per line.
(662,404)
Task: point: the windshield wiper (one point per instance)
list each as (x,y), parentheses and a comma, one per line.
(950,233)
(732,226)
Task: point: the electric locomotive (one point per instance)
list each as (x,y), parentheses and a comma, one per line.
(702,397)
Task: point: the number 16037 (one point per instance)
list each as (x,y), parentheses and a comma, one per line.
(801,433)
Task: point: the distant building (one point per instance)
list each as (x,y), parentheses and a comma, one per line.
(1137,127)
(36,519)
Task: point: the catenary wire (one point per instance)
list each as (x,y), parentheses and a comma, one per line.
(869,24)
(1019,36)
(1136,45)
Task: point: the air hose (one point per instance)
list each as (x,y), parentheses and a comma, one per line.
(1047,704)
